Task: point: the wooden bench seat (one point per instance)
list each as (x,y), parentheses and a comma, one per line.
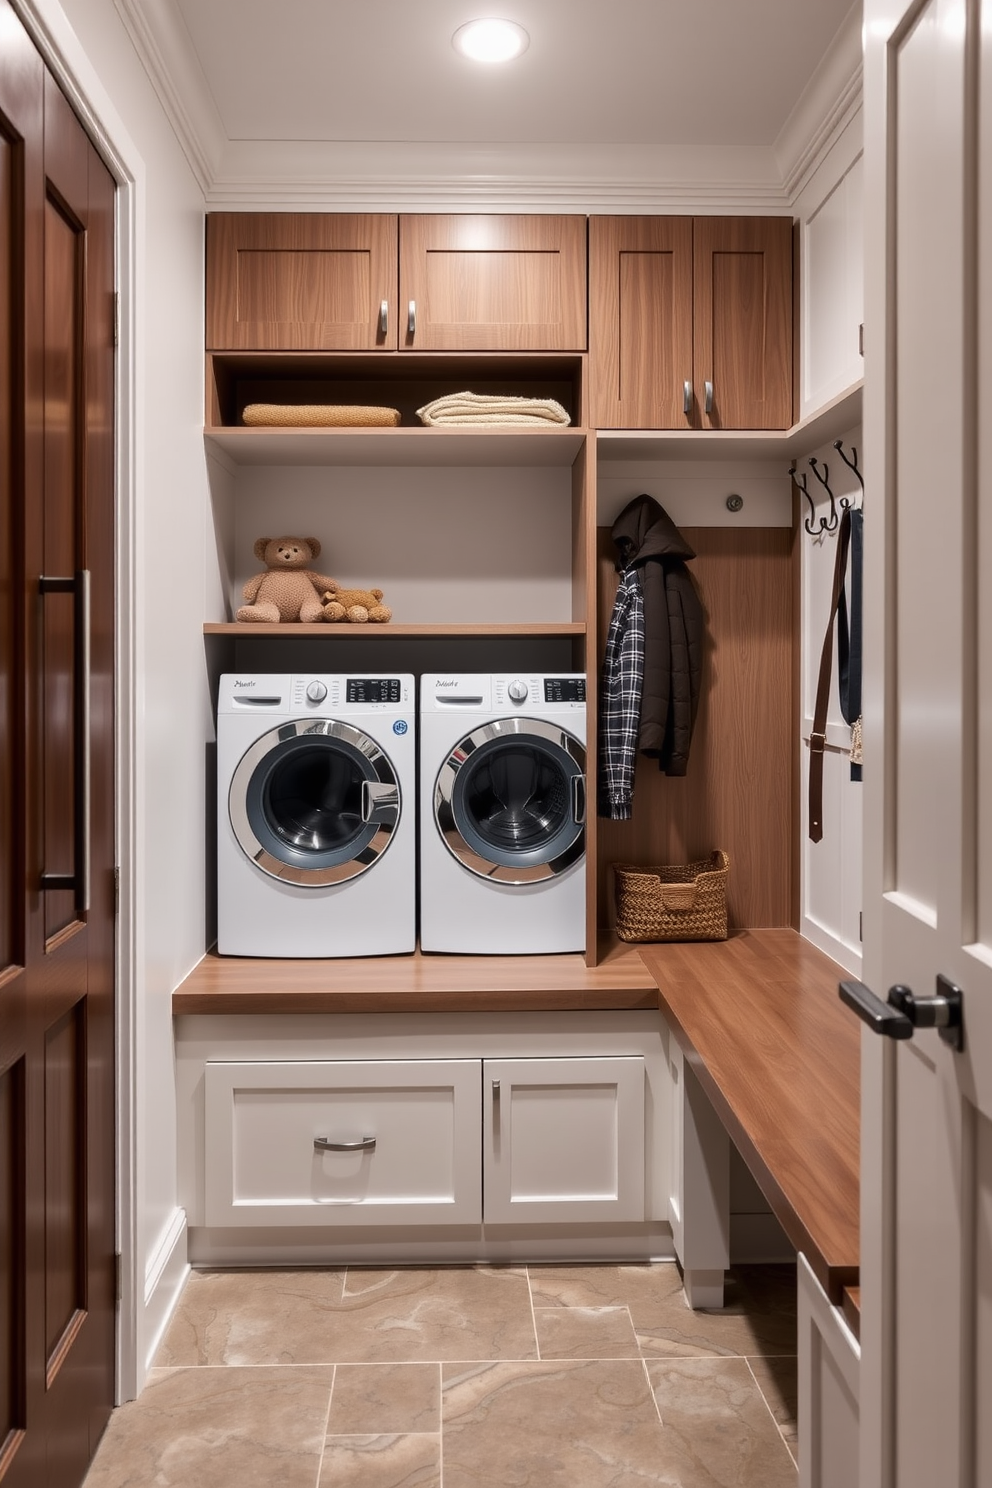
(760,1023)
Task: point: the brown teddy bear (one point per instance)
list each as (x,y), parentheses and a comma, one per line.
(288,590)
(359,606)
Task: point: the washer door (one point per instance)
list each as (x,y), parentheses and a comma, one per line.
(314,802)
(509,801)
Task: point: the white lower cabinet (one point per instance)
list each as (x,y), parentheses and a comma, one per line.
(563,1140)
(432,1142)
(829,1373)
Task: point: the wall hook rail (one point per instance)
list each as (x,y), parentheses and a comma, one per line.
(801,480)
(852,464)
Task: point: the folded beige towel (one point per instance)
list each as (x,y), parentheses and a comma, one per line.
(320,415)
(485,408)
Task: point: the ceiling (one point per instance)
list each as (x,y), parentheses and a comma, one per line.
(319,86)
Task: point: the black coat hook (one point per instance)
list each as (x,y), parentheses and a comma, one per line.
(851,464)
(831,523)
(801,482)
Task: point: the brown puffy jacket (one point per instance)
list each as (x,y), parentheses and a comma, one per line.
(646,537)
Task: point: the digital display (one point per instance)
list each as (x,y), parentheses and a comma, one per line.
(373,690)
(564,689)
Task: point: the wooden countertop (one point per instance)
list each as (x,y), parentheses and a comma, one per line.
(419,984)
(759,1018)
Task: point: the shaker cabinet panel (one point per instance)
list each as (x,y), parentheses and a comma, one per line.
(563,1140)
(691,322)
(493,283)
(742,325)
(301,281)
(342,1143)
(640,317)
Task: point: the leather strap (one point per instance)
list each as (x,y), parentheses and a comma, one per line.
(818,737)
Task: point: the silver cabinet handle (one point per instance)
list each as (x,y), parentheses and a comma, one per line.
(324,1144)
(708,400)
(79,880)
(687,397)
(383,317)
(411,318)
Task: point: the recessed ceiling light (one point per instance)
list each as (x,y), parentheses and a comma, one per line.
(491,40)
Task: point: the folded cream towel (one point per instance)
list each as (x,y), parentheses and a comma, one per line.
(485,408)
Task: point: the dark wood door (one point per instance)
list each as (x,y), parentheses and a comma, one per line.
(640,322)
(301,281)
(742,327)
(57,912)
(492,283)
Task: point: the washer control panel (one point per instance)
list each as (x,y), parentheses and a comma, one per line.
(562,693)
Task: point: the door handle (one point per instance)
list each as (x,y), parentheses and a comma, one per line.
(79,880)
(687,398)
(411,318)
(383,317)
(904,1012)
(324,1144)
(708,397)
(578,799)
(944,1011)
(380,802)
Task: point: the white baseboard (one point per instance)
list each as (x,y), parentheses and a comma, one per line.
(165,1276)
(838,950)
(500,1245)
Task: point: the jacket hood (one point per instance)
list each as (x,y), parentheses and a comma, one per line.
(645,530)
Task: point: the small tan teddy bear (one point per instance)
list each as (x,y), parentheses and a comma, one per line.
(288,590)
(359,606)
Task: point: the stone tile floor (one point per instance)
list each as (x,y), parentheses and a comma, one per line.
(465,1377)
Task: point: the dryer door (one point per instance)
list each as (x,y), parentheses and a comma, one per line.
(509,800)
(314,802)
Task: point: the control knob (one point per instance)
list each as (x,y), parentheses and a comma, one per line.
(517,690)
(316,692)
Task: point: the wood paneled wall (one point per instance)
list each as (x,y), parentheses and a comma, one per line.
(739,792)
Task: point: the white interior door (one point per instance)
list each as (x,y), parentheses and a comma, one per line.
(927,1108)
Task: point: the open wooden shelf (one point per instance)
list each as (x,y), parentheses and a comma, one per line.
(505,446)
(419,984)
(293,632)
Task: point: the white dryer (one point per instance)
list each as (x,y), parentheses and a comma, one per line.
(316,829)
(502,813)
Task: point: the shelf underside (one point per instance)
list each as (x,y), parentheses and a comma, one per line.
(453,447)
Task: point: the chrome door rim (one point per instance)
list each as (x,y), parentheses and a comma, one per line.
(445,787)
(380,770)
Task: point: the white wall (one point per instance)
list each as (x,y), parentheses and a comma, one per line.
(168,576)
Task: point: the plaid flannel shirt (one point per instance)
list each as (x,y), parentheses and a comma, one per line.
(620,699)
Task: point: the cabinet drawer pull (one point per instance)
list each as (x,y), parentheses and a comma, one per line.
(708,402)
(687,398)
(383,317)
(411,318)
(324,1144)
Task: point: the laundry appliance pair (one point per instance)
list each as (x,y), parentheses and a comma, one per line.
(317,852)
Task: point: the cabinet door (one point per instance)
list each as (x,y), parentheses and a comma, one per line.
(489,283)
(343,1143)
(640,322)
(301,281)
(563,1140)
(742,327)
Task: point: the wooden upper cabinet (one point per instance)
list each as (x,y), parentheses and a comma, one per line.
(742,324)
(640,322)
(301,281)
(493,283)
(705,301)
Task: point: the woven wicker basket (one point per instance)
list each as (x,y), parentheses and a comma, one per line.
(680,901)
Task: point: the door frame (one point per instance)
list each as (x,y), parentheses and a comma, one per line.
(62,52)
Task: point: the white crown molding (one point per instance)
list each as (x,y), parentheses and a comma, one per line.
(166,52)
(824,108)
(394,176)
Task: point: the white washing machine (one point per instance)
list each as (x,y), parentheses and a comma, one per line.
(502,813)
(316,822)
